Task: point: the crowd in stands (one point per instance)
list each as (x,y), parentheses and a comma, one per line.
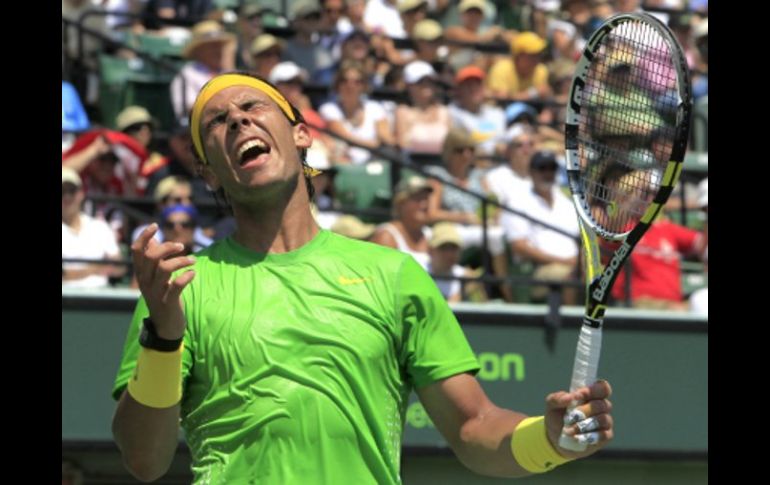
(476,87)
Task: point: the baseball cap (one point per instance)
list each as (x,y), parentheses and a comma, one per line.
(132,115)
(427,29)
(445,233)
(466,5)
(543,159)
(416,71)
(263,43)
(69,175)
(407,5)
(353,227)
(287,71)
(469,72)
(409,186)
(528,43)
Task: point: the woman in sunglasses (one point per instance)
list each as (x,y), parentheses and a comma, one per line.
(178,225)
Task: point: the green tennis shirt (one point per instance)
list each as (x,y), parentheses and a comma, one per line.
(297,367)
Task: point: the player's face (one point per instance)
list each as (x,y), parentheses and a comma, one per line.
(249,142)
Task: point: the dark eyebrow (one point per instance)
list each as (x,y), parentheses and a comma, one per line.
(253,102)
(210,115)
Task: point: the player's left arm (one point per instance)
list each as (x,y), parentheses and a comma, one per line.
(480,433)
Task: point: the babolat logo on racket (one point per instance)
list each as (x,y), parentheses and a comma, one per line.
(609,273)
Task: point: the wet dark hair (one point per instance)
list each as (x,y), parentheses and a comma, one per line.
(298,118)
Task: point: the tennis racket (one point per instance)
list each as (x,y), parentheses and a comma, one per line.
(628,121)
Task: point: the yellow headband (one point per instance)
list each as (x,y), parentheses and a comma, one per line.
(225,81)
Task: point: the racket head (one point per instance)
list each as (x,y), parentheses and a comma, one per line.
(628,121)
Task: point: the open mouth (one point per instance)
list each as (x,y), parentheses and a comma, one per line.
(251,150)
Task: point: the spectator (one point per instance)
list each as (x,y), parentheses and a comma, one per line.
(553,254)
(173,191)
(422,125)
(110,162)
(83,237)
(178,225)
(334,25)
(448,204)
(427,37)
(210,51)
(655,263)
(485,122)
(304,49)
(355,14)
(266,52)
(249,27)
(471,30)
(382,17)
(408,231)
(509,180)
(522,77)
(354,117)
(136,122)
(356,47)
(444,251)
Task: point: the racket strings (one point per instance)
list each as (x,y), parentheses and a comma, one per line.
(626,126)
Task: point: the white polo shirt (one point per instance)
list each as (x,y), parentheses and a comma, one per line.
(561,215)
(95,241)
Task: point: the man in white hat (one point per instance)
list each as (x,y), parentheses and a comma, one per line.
(83,237)
(211,51)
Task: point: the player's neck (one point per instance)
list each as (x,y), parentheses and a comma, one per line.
(275,229)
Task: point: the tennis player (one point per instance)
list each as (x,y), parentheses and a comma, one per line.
(288,352)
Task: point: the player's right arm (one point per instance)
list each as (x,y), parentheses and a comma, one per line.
(146,423)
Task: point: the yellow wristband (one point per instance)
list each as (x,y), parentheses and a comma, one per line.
(531,448)
(157,379)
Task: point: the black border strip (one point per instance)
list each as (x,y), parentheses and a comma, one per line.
(616,323)
(410,450)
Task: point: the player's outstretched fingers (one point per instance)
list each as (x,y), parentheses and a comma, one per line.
(178,284)
(601,422)
(591,408)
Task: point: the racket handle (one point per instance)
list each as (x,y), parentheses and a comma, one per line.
(584,371)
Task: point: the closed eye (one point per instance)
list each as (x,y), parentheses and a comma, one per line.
(216,120)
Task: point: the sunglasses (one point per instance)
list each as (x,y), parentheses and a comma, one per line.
(464,149)
(269,53)
(68,189)
(312,16)
(546,168)
(349,80)
(170,225)
(186,200)
(109,157)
